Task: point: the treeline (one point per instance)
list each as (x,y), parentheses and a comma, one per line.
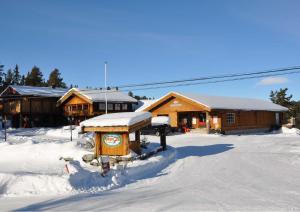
(137,97)
(34,77)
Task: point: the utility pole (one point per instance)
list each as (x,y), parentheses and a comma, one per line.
(105,70)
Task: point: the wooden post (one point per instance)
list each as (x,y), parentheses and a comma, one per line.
(138,141)
(207,122)
(162,133)
(97,144)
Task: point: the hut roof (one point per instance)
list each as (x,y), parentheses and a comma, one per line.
(97,95)
(37,91)
(116,119)
(222,102)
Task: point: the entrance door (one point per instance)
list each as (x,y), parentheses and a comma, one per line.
(202,120)
(185,120)
(277,118)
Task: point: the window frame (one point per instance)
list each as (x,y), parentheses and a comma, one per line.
(124,108)
(230,118)
(110,106)
(99,106)
(118,106)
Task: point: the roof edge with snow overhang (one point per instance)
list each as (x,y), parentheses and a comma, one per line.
(223,103)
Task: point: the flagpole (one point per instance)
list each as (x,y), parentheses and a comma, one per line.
(105,70)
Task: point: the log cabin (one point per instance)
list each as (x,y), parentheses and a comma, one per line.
(207,114)
(82,104)
(28,106)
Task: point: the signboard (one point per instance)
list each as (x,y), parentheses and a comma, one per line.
(112,139)
(194,120)
(175,104)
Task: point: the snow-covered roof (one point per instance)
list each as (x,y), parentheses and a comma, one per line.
(232,103)
(160,120)
(96,95)
(142,104)
(37,91)
(116,119)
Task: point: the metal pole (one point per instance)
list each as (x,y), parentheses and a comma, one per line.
(5,137)
(105,70)
(70,126)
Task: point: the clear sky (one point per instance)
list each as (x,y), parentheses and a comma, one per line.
(145,41)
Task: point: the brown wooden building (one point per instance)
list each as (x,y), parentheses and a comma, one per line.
(215,113)
(28,106)
(82,104)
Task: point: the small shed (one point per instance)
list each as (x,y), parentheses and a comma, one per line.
(112,132)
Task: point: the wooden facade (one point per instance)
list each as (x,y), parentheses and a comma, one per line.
(80,107)
(184,112)
(122,134)
(30,109)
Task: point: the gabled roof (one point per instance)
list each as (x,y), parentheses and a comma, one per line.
(36,91)
(95,95)
(221,102)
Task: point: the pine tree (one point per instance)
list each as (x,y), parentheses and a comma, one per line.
(22,81)
(2,77)
(55,79)
(280,97)
(9,77)
(130,93)
(35,77)
(16,76)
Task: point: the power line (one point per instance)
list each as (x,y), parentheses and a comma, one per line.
(212,77)
(215,81)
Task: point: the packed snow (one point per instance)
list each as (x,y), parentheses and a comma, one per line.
(160,120)
(197,172)
(116,119)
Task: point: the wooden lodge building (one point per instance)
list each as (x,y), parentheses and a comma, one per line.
(28,106)
(215,113)
(82,104)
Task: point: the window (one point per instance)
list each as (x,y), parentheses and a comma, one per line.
(124,107)
(74,108)
(85,107)
(230,118)
(101,106)
(117,106)
(110,106)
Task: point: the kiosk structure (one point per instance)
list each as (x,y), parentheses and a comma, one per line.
(112,132)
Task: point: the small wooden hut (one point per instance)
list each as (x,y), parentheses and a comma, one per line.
(112,132)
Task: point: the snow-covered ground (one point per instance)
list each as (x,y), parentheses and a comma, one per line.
(248,172)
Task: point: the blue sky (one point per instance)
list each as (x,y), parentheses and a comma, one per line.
(145,41)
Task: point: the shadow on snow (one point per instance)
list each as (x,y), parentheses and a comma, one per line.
(80,181)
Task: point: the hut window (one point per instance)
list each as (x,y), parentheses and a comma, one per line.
(74,108)
(110,107)
(124,107)
(117,106)
(230,118)
(85,107)
(101,106)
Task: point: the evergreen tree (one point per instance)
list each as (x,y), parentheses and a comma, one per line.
(22,81)
(9,77)
(2,77)
(16,76)
(55,80)
(280,97)
(130,93)
(35,77)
